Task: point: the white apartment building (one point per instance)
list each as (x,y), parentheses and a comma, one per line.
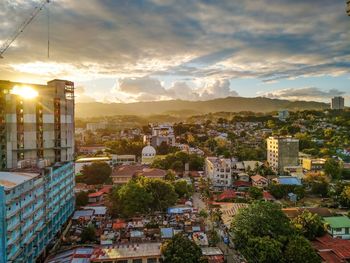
(282,152)
(162,133)
(219,171)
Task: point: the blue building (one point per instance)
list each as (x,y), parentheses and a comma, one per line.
(36,166)
(33,208)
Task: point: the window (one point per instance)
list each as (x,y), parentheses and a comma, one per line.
(138,260)
(122,261)
(151,260)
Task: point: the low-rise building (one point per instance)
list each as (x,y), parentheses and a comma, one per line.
(313,164)
(338,226)
(128,253)
(124,173)
(259,181)
(219,171)
(124,159)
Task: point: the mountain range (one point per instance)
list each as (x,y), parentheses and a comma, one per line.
(229,104)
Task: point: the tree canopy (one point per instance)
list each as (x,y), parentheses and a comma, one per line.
(180,249)
(310,225)
(95,173)
(263,233)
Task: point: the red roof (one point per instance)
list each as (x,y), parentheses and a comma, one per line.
(106,189)
(228,194)
(119,224)
(97,194)
(268,196)
(215,259)
(339,247)
(241,183)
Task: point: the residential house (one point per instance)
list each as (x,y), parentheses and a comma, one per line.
(338,226)
(259,181)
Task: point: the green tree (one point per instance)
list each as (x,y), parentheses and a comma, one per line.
(299,250)
(183,189)
(345,196)
(162,193)
(95,173)
(332,168)
(132,198)
(260,219)
(196,162)
(263,250)
(81,199)
(310,225)
(255,193)
(170,176)
(88,234)
(180,249)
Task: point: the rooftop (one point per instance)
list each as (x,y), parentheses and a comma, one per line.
(338,221)
(11,179)
(92,159)
(126,251)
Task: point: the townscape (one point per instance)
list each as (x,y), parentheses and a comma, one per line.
(171,164)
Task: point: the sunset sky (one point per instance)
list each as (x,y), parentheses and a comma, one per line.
(131,50)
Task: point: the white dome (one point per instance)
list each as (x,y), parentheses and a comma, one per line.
(148,151)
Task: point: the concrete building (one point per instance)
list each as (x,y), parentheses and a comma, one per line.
(36,168)
(337,103)
(123,174)
(282,152)
(161,133)
(219,171)
(313,164)
(37,122)
(94,126)
(123,159)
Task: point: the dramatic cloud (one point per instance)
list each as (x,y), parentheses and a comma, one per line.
(150,89)
(209,42)
(307,93)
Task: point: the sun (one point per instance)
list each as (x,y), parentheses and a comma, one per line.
(25,92)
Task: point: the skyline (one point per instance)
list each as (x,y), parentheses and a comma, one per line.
(191,50)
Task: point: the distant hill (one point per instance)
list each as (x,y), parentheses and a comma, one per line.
(178,107)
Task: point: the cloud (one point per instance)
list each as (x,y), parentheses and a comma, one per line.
(151,89)
(82,96)
(211,42)
(307,93)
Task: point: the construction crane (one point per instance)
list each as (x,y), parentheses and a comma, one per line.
(22,27)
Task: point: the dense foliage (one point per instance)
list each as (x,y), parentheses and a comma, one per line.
(180,249)
(141,196)
(262,233)
(310,225)
(95,173)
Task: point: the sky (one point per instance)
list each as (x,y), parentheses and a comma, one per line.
(146,50)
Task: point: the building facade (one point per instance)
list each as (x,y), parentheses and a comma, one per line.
(337,103)
(36,166)
(163,133)
(36,128)
(220,171)
(348,7)
(282,152)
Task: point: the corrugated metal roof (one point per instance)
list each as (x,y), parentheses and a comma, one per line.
(12,179)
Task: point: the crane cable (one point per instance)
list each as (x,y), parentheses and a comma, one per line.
(22,27)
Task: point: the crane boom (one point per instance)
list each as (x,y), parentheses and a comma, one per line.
(21,28)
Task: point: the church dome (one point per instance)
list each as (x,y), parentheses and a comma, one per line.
(148,151)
